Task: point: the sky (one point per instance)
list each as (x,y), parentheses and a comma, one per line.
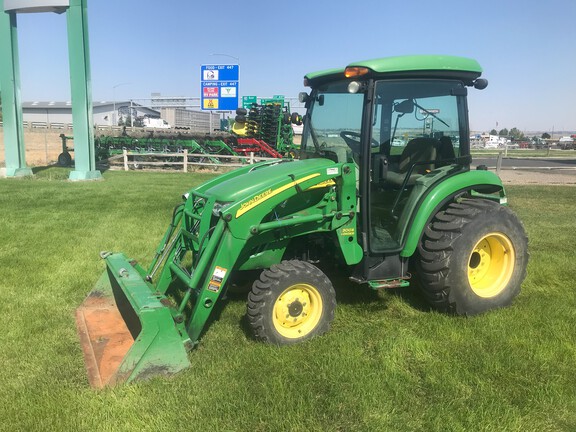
(527,49)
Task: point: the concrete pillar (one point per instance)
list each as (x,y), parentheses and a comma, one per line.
(80,81)
(14,149)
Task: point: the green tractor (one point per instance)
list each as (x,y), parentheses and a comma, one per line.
(383,189)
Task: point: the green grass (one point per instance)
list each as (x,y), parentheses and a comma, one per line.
(388,364)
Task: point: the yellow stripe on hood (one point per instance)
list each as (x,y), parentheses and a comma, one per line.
(260,198)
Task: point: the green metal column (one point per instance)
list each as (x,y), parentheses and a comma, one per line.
(14,150)
(80,80)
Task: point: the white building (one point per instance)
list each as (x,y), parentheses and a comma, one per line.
(105,113)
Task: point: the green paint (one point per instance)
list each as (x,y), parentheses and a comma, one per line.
(455,66)
(420,63)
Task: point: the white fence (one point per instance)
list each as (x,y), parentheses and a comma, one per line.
(131,160)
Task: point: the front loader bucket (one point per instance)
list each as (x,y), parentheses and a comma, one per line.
(127,330)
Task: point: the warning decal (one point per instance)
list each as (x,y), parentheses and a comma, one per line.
(217,278)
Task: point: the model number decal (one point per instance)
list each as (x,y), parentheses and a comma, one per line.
(348,231)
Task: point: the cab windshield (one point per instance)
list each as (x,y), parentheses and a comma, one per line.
(334,111)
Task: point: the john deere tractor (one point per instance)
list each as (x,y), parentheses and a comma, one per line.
(383,189)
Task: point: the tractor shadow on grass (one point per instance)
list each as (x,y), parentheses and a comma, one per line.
(347,293)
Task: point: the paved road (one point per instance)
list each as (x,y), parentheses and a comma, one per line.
(527,163)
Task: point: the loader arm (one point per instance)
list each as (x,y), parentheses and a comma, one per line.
(242,219)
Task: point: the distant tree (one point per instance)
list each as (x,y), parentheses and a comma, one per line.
(546,135)
(0,107)
(503,132)
(516,134)
(493,132)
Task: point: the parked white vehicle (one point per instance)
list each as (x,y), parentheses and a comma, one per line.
(157,123)
(494,141)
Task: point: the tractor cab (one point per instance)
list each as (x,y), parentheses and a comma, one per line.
(403,122)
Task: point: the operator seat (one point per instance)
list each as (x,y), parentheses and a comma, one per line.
(446,154)
(416,151)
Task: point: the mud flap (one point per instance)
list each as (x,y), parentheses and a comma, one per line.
(127,330)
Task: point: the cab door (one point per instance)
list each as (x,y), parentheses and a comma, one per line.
(419,125)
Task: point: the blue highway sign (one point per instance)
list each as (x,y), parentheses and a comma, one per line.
(219,87)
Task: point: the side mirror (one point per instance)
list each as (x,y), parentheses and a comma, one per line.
(404,107)
(480,84)
(303,97)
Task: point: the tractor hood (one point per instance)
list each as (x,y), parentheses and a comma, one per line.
(269,178)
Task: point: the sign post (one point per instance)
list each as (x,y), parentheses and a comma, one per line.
(219,87)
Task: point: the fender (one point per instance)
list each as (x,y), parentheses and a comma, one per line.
(479,181)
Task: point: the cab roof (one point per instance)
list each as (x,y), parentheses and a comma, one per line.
(417,66)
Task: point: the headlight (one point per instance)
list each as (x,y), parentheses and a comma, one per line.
(218,208)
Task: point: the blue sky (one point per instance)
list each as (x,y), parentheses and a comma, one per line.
(527,49)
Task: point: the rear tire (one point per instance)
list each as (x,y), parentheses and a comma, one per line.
(473,257)
(291,302)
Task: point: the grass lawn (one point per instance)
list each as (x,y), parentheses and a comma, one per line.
(388,364)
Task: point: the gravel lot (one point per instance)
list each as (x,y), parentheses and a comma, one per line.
(536,177)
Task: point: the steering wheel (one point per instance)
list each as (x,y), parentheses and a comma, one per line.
(352,140)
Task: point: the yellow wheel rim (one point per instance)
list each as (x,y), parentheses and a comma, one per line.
(297,311)
(490,265)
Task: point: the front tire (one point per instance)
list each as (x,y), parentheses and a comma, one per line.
(473,257)
(291,302)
